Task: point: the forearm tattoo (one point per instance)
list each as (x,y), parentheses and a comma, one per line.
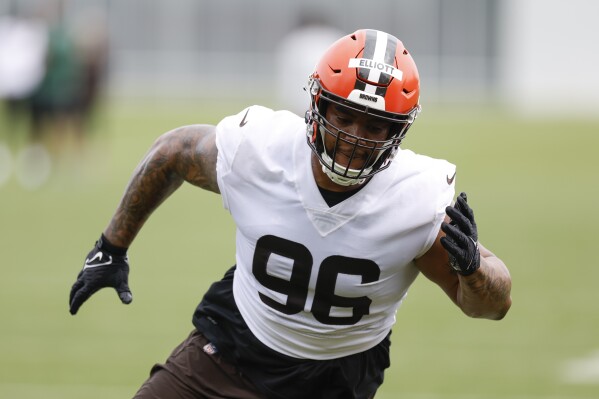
(489,285)
(185,154)
(489,288)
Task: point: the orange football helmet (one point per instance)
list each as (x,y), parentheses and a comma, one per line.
(371,72)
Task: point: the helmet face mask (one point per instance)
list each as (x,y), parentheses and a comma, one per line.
(344,81)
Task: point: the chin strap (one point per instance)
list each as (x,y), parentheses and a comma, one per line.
(342,180)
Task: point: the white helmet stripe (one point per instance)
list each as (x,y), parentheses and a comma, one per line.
(377,64)
(380,50)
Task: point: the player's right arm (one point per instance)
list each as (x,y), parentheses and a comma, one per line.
(185,154)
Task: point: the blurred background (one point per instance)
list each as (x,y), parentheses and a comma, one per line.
(510,94)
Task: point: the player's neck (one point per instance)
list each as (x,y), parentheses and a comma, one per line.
(332,198)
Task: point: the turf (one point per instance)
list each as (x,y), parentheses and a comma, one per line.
(532,184)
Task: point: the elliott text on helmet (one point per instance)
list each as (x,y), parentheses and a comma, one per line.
(375,65)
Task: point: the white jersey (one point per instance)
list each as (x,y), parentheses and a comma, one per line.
(313,281)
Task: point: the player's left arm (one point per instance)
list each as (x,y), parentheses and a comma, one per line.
(475,279)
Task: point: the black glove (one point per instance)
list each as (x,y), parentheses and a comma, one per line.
(105,266)
(461,240)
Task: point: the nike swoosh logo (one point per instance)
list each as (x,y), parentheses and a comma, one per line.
(450,179)
(98,256)
(243,121)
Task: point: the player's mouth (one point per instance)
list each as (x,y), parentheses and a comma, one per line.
(354,159)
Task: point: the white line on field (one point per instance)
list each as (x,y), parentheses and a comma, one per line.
(584,370)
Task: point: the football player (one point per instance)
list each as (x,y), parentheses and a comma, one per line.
(334,223)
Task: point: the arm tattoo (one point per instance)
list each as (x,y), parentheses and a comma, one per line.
(489,289)
(184,154)
(490,286)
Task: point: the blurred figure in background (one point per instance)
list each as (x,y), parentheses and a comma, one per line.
(312,36)
(75,69)
(23,47)
(51,77)
(23,52)
(53,104)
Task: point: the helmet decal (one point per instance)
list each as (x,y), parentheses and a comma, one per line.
(380,48)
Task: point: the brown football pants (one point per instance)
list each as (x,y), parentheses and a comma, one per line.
(195,371)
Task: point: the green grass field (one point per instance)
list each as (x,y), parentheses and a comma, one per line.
(534,188)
